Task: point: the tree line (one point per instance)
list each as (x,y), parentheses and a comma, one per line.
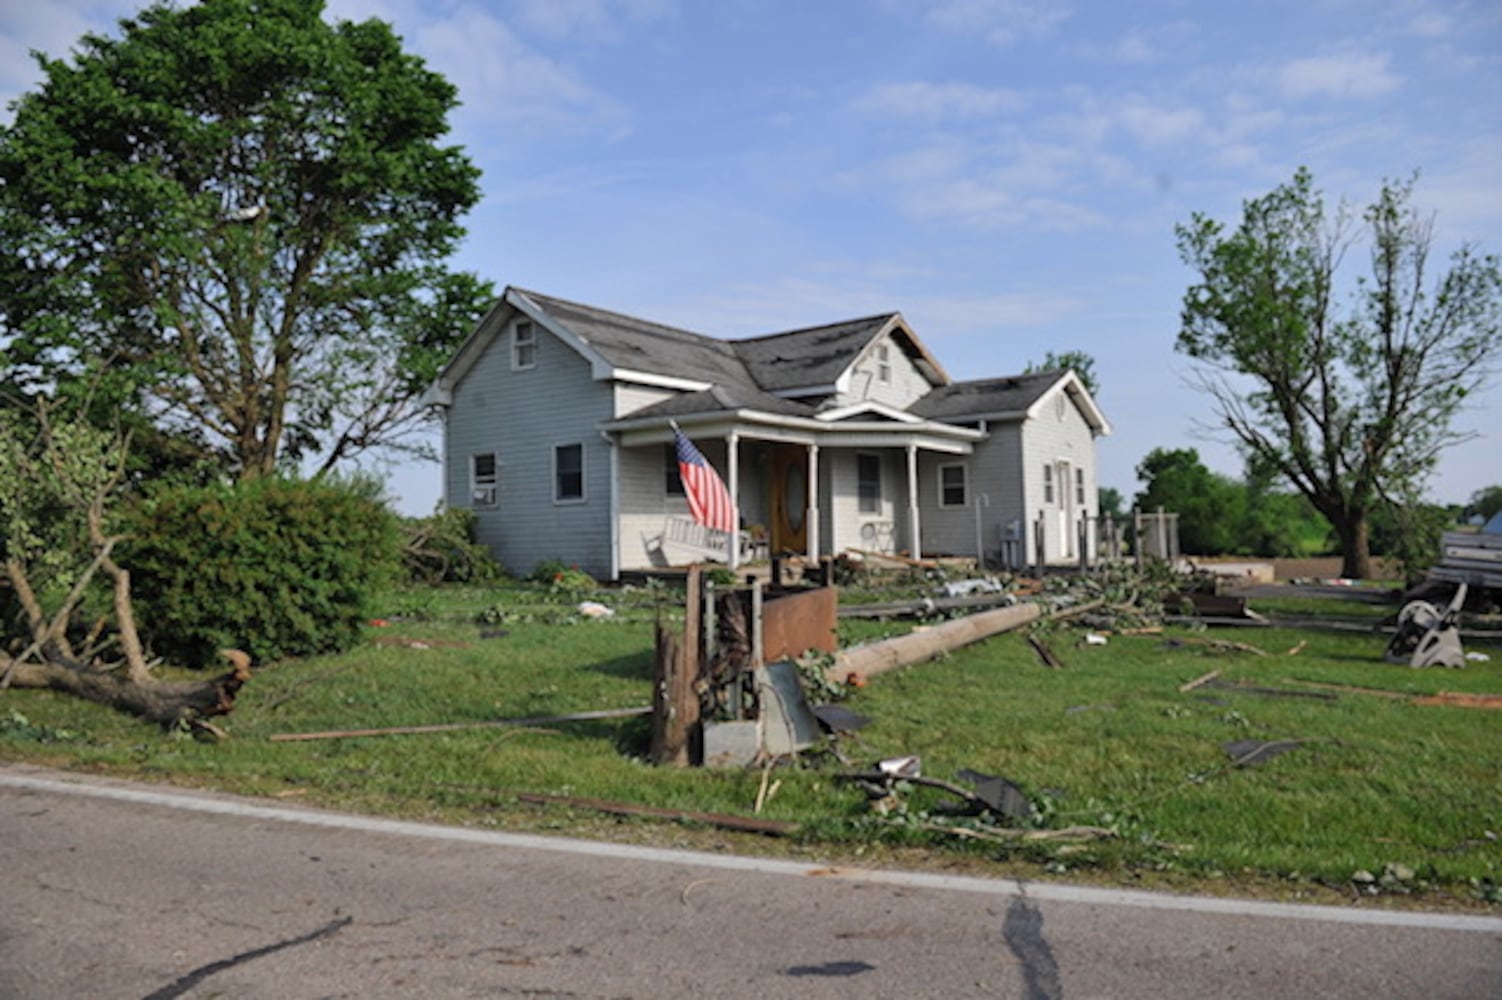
(1256,515)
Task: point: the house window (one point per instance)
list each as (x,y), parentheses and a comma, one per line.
(868,483)
(484,477)
(952,485)
(524,345)
(568,473)
(1047,483)
(883,363)
(1079,486)
(672,482)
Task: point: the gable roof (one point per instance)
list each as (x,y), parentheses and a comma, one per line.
(1013,397)
(768,373)
(817,359)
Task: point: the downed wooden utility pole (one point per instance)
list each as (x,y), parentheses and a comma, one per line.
(860,662)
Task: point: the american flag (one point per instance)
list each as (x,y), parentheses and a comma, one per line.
(708,500)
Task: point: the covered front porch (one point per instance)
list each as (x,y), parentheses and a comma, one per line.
(801,487)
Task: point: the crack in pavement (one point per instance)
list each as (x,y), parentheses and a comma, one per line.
(1023,932)
(185,983)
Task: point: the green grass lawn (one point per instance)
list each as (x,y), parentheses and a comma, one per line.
(1411,794)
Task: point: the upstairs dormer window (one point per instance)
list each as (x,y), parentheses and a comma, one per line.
(523,345)
(883,363)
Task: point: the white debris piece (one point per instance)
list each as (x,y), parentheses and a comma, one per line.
(965,588)
(1094,639)
(901,767)
(594,609)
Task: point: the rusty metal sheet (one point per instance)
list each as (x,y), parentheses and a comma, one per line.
(796,623)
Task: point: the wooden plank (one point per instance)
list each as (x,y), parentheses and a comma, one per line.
(1349,689)
(1203,679)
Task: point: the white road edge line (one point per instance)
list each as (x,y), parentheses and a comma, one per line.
(1046,891)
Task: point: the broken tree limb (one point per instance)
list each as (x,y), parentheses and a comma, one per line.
(446,727)
(1072,834)
(770,827)
(166,703)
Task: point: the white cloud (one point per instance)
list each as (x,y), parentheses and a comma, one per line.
(1001,22)
(500,79)
(1342,75)
(590,19)
(1156,126)
(938,101)
(1142,45)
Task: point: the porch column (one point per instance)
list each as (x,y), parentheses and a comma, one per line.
(733,459)
(615,505)
(811,515)
(912,500)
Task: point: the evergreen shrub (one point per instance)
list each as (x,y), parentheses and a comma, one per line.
(275,567)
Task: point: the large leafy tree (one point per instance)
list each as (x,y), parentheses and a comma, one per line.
(1081,363)
(1351,398)
(1210,506)
(232,223)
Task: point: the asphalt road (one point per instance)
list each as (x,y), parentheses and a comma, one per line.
(115,890)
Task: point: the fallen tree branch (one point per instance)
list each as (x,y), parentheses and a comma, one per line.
(167,703)
(1002,835)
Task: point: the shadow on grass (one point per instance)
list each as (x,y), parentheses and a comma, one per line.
(637,667)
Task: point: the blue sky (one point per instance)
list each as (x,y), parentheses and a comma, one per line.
(1006,173)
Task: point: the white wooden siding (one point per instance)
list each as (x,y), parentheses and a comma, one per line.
(1060,433)
(521,416)
(844,525)
(645,503)
(906,385)
(629,398)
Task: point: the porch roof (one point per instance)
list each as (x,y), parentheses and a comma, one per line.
(712,420)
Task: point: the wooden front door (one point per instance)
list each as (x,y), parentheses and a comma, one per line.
(789,500)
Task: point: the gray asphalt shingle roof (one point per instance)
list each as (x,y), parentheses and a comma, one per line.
(641,345)
(983,397)
(746,371)
(812,356)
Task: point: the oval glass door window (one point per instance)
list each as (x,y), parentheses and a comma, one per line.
(794,498)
